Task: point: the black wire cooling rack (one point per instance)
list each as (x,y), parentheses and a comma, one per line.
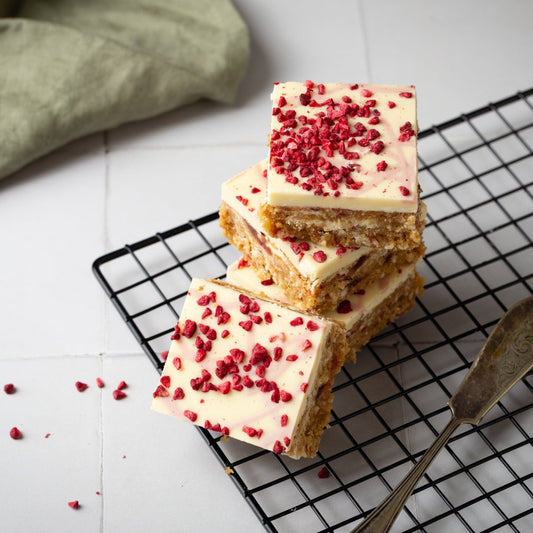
(477,176)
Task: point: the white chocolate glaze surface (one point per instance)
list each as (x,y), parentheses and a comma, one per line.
(343,146)
(239,365)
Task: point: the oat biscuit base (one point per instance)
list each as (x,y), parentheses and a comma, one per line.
(363,314)
(313,277)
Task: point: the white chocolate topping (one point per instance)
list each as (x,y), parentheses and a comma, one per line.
(240,365)
(348,312)
(343,146)
(245,192)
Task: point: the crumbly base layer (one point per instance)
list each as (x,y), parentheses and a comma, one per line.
(315,411)
(300,290)
(344,227)
(394,306)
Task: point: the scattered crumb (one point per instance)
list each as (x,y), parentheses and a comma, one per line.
(15,433)
(118,394)
(74,504)
(81,386)
(99,383)
(323,473)
(47,435)
(9,388)
(229,470)
(122,385)
(224,438)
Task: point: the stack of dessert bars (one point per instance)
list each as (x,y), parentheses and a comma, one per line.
(331,222)
(330,230)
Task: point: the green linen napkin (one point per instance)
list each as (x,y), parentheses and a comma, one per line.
(73,67)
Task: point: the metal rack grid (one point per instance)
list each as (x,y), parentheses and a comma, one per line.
(477,176)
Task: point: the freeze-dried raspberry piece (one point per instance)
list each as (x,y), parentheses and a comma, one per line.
(99,383)
(259,354)
(192,416)
(122,385)
(179,394)
(323,473)
(74,504)
(159,392)
(345,307)
(285,396)
(9,388)
(319,256)
(251,432)
(81,386)
(15,433)
(203,300)
(119,395)
(189,328)
(278,447)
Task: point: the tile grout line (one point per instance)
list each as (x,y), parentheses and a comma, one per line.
(164,147)
(362,27)
(105,233)
(105,318)
(101,450)
(26,357)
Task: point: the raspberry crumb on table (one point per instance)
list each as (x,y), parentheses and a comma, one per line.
(118,394)
(74,504)
(81,386)
(323,473)
(99,383)
(15,433)
(9,388)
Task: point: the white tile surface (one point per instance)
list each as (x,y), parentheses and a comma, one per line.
(164,465)
(95,195)
(52,220)
(162,177)
(41,475)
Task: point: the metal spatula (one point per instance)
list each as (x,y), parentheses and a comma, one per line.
(506,357)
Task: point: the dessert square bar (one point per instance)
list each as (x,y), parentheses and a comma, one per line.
(252,369)
(313,277)
(363,313)
(343,165)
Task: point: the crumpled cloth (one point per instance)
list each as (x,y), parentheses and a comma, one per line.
(69,68)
